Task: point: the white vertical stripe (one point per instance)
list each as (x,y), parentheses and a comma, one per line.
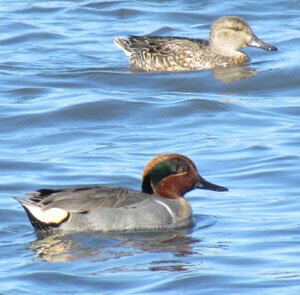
(166,206)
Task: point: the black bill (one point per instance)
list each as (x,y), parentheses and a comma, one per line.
(204,184)
(256,42)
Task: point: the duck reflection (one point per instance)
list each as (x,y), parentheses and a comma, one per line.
(60,247)
(233,73)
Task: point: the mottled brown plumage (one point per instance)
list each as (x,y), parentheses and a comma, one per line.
(227,36)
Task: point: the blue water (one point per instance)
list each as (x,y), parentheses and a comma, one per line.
(72,113)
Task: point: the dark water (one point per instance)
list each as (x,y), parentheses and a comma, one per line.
(72,113)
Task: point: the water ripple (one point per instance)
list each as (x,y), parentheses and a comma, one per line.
(72,113)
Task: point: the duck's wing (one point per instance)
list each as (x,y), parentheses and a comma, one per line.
(52,207)
(159,45)
(161,53)
(82,199)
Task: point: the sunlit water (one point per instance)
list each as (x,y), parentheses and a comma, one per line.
(72,113)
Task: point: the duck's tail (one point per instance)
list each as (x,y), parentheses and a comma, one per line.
(125,45)
(41,218)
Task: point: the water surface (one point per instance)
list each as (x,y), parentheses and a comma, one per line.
(72,113)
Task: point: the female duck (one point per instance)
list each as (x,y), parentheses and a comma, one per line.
(227,36)
(160,205)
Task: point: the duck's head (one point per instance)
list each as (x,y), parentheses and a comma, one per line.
(229,34)
(173,175)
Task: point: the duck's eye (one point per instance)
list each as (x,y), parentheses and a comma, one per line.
(237,29)
(181,170)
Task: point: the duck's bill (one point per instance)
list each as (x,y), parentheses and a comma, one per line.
(256,42)
(204,184)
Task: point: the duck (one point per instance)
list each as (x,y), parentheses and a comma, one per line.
(159,205)
(228,35)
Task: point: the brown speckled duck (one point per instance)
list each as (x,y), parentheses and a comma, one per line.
(160,205)
(227,36)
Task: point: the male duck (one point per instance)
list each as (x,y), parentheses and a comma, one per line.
(160,205)
(227,36)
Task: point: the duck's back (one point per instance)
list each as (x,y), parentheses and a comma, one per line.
(154,53)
